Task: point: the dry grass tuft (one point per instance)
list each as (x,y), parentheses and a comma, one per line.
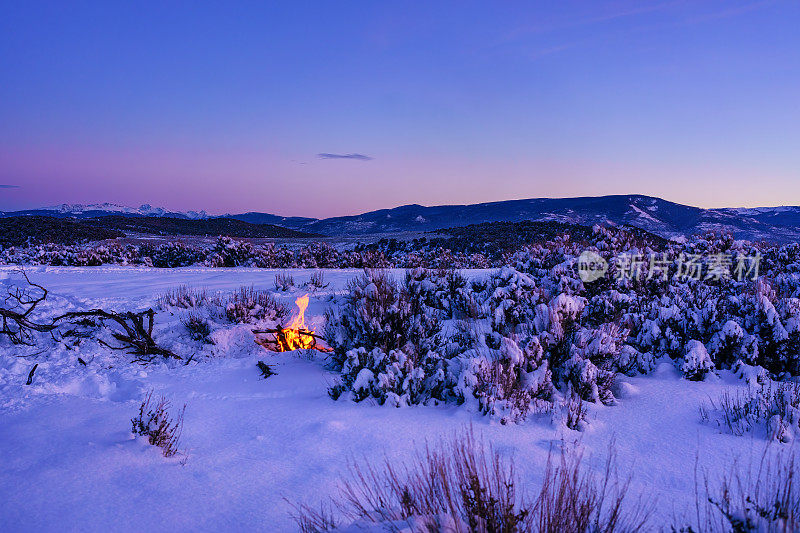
(155,422)
(317,281)
(249,305)
(772,406)
(198,327)
(575,411)
(284,282)
(183,296)
(463,486)
(763,497)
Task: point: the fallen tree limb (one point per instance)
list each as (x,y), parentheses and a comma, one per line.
(138,336)
(15,322)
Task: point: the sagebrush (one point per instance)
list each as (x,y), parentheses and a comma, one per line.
(162,428)
(463,485)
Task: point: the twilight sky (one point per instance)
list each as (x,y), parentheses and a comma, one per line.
(334,108)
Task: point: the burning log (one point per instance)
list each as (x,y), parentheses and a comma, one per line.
(295,337)
(286,339)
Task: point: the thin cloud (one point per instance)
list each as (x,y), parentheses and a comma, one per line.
(731,12)
(8,186)
(357,157)
(522,34)
(591,20)
(554,49)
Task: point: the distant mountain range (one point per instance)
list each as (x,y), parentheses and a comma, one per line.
(105,209)
(82,211)
(661,217)
(664,218)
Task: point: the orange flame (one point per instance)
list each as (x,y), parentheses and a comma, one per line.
(297,335)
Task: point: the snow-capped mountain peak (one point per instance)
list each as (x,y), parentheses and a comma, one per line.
(111,208)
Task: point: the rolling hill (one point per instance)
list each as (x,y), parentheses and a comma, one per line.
(181,226)
(18,231)
(661,217)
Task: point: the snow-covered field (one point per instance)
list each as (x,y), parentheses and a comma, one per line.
(70,463)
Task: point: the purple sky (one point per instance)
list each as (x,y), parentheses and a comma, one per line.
(248,106)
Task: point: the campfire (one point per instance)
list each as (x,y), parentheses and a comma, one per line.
(294,337)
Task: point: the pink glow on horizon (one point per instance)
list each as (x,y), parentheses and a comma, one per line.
(293,185)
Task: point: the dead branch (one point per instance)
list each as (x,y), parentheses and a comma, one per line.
(15,322)
(137,336)
(266,370)
(303,332)
(30,375)
(34,354)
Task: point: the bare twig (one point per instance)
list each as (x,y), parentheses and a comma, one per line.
(30,375)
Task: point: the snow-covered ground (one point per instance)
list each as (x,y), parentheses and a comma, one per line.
(69,461)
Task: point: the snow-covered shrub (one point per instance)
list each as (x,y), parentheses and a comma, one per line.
(386,343)
(283,282)
(632,362)
(513,301)
(696,363)
(316,281)
(318,255)
(228,252)
(574,411)
(772,408)
(584,357)
(171,255)
(762,496)
(514,362)
(516,382)
(510,362)
(777,325)
(250,305)
(155,422)
(754,376)
(729,345)
(379,313)
(197,326)
(557,323)
(508,381)
(594,361)
(183,297)
(397,378)
(445,290)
